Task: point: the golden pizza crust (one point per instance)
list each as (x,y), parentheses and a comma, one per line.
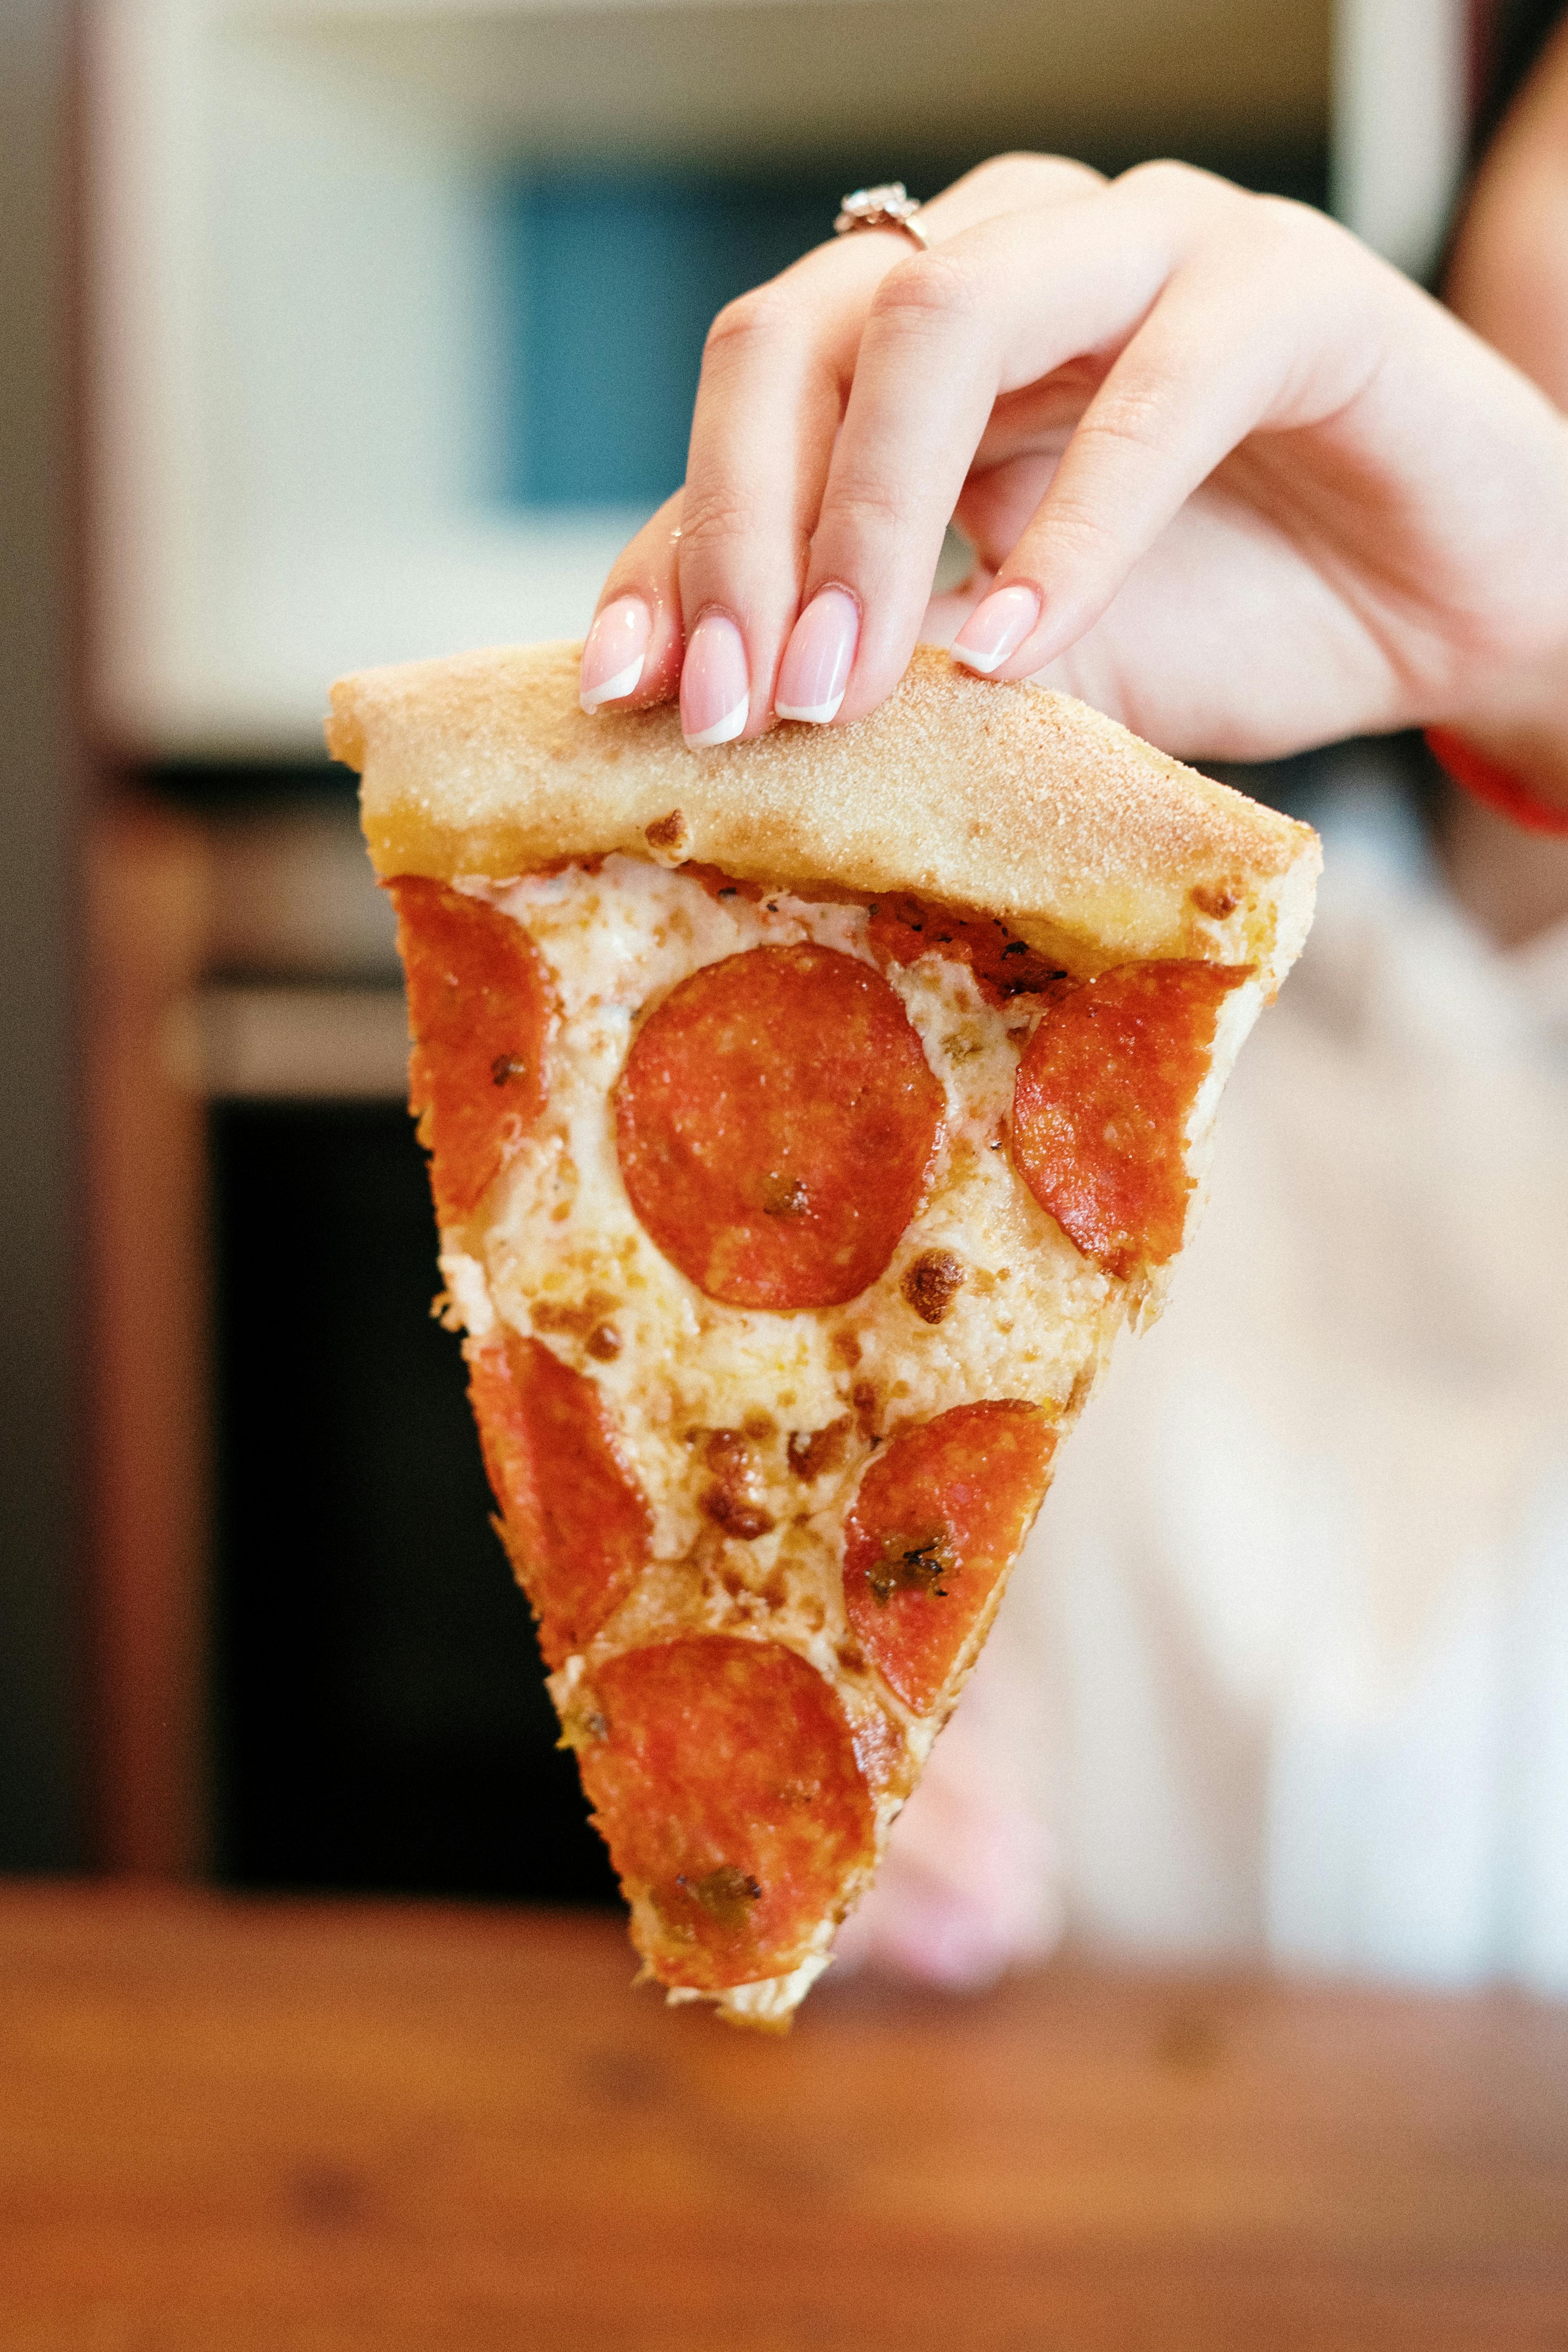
(1089,843)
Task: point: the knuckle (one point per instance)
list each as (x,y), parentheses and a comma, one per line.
(1081,541)
(929,289)
(870,509)
(714,519)
(1032,175)
(1173,182)
(1283,224)
(752,318)
(1125,421)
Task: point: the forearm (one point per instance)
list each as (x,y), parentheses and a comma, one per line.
(1509,282)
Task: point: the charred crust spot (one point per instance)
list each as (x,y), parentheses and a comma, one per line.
(784,1196)
(904,928)
(581,1725)
(668,836)
(814,1451)
(933,1282)
(726,1894)
(921,1563)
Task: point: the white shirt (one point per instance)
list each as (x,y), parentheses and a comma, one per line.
(1286,1662)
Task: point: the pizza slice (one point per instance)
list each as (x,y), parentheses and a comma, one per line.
(805,1117)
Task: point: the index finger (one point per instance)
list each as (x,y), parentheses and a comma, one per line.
(1000,305)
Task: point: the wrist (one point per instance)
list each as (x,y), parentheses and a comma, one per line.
(1530,791)
(1511,751)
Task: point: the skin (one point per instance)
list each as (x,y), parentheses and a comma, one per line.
(1270,495)
(1267,491)
(1508,281)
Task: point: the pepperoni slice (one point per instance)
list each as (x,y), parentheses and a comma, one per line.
(938,1519)
(902,928)
(775,1120)
(576,1525)
(724,1775)
(1101,1103)
(478,1004)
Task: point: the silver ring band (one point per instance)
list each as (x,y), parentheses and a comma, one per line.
(885,207)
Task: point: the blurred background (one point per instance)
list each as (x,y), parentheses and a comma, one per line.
(337,332)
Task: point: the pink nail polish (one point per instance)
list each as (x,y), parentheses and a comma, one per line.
(613,655)
(818,658)
(998,627)
(715,690)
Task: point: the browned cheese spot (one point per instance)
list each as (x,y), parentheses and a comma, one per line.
(731,1501)
(814,1451)
(933,1282)
(582,1321)
(745,1521)
(604,1343)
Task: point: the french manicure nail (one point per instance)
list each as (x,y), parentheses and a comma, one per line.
(998,627)
(817,659)
(715,690)
(613,655)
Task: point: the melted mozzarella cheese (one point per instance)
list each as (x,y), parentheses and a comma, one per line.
(564,1255)
(561,1255)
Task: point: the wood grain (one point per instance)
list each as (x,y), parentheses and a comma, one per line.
(146,1310)
(300,2127)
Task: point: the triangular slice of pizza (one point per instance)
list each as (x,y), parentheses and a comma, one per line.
(805,1117)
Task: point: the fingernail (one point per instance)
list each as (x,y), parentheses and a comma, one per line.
(715,692)
(615,653)
(817,659)
(998,627)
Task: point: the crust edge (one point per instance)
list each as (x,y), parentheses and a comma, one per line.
(1090,844)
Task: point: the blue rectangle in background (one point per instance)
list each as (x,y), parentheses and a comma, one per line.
(612,275)
(614,279)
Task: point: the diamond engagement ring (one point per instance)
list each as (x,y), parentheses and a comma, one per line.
(889,207)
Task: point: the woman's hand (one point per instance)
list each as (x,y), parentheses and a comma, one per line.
(1228,477)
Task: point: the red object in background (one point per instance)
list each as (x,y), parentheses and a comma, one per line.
(1496,787)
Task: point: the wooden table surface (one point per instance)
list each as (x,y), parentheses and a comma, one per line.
(303,2127)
